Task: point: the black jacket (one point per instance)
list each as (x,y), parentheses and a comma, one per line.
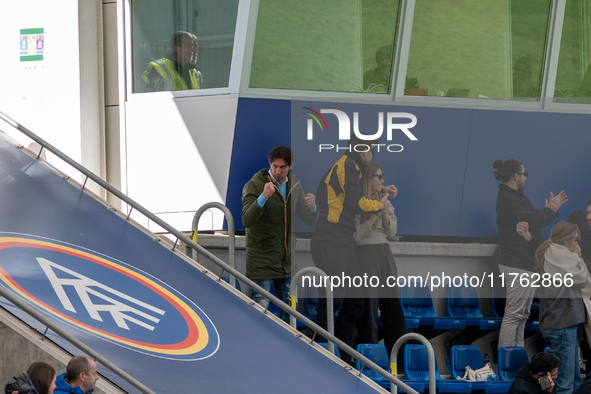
(21,383)
(514,207)
(585,245)
(525,383)
(585,388)
(339,198)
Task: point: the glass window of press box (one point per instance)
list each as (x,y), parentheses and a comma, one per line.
(329,45)
(573,77)
(182,44)
(479,49)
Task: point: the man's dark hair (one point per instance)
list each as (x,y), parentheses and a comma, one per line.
(589,203)
(281,152)
(354,141)
(543,362)
(579,218)
(76,365)
(506,169)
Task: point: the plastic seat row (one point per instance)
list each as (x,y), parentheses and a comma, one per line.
(462,309)
(416,367)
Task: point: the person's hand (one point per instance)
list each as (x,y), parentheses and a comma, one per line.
(576,249)
(522,229)
(268,190)
(556,202)
(310,200)
(549,389)
(391,190)
(384,200)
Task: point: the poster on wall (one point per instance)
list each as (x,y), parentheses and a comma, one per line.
(32,44)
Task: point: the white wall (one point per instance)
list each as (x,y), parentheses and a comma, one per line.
(178,155)
(47,96)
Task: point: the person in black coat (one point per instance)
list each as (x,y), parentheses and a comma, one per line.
(516,217)
(527,378)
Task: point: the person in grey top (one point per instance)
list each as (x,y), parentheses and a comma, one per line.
(372,231)
(562,310)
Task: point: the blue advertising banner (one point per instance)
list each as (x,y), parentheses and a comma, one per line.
(137,303)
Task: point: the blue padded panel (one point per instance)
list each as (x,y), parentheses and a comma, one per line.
(531,138)
(457,157)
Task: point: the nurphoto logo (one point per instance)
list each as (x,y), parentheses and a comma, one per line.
(344,132)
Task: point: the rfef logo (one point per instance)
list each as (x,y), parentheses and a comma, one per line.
(344,132)
(106,298)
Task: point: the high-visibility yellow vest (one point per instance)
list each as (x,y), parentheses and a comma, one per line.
(170,77)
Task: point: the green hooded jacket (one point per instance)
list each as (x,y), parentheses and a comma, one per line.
(270,240)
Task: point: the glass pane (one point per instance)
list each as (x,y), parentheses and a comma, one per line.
(182,44)
(481,49)
(573,78)
(327,45)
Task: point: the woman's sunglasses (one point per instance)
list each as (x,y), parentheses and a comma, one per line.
(380,177)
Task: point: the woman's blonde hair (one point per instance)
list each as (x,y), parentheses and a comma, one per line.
(368,173)
(560,233)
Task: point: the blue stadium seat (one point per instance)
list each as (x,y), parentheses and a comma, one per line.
(510,359)
(416,368)
(468,355)
(462,302)
(379,355)
(417,304)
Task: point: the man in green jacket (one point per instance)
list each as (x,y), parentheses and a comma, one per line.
(270,200)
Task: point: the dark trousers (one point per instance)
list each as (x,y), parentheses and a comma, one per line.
(377,260)
(340,260)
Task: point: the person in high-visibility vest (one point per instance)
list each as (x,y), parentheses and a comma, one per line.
(177,71)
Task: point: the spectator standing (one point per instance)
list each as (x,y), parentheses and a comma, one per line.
(562,311)
(516,254)
(340,197)
(270,201)
(376,259)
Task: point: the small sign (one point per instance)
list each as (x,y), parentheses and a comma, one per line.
(32,44)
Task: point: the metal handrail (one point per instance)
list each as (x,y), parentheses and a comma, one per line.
(430,353)
(214,259)
(70,338)
(293,291)
(231,233)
